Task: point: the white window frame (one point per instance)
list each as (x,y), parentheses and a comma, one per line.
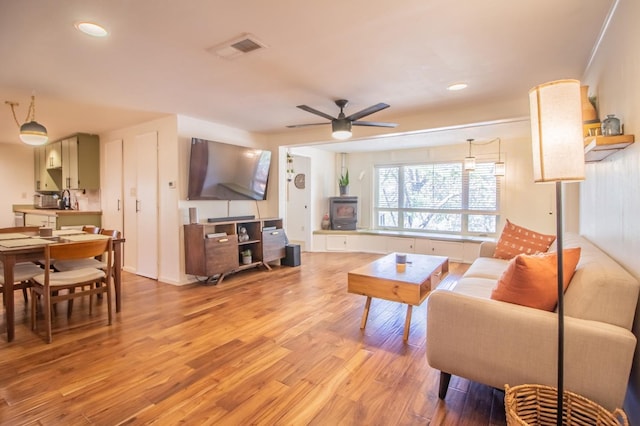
(464,211)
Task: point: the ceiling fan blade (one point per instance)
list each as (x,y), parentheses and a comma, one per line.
(373,124)
(367,111)
(293,126)
(316,112)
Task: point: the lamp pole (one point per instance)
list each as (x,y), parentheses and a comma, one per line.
(558,156)
(560,266)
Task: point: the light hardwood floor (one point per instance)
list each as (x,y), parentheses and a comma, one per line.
(281,347)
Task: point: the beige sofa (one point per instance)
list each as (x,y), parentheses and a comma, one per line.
(498,343)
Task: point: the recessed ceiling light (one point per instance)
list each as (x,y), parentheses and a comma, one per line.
(457,86)
(92,29)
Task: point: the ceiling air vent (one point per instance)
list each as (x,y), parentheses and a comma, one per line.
(238,46)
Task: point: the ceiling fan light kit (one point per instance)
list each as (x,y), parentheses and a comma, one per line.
(341,125)
(341,129)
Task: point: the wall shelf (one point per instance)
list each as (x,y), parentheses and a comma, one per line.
(597,148)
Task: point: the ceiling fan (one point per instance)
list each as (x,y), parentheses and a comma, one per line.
(341,125)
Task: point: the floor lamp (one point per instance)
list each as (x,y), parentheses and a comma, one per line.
(558,156)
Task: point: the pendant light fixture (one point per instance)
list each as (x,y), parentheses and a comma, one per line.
(470,161)
(31,132)
(499,167)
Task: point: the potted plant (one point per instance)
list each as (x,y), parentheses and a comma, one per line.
(246,257)
(343,183)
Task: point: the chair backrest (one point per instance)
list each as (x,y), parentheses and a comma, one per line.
(19,229)
(110,232)
(79,250)
(91,229)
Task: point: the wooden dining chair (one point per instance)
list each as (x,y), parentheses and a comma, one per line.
(50,285)
(22,274)
(97,262)
(90,229)
(93,262)
(23,271)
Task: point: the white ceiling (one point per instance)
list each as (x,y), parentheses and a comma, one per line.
(155,61)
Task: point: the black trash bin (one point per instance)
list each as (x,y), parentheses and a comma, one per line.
(292,255)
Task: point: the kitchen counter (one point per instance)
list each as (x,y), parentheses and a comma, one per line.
(57,219)
(56,212)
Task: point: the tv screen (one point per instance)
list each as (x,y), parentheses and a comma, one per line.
(220,171)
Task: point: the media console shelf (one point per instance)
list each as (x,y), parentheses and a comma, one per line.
(214,250)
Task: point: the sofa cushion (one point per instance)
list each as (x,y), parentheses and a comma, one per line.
(516,239)
(476,287)
(531,280)
(487,267)
(601,289)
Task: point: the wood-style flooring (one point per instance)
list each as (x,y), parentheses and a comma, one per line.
(268,348)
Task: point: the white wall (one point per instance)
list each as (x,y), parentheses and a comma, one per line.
(610,195)
(16,174)
(169,254)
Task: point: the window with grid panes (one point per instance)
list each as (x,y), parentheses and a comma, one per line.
(437,198)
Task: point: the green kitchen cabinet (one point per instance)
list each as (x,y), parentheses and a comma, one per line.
(70,163)
(44,177)
(81,162)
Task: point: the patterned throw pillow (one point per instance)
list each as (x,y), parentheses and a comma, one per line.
(516,240)
(532,280)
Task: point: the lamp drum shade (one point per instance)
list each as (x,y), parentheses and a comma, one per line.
(556,131)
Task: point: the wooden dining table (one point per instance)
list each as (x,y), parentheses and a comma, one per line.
(29,247)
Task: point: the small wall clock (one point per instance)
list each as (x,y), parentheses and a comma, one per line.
(298,181)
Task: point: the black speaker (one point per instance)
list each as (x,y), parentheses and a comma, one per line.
(292,255)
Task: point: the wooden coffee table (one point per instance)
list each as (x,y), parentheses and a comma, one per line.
(381,280)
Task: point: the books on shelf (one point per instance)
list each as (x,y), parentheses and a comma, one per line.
(216,235)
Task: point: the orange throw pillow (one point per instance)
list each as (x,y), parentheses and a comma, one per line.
(532,280)
(515,240)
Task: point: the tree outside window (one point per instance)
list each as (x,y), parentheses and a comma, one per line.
(437,198)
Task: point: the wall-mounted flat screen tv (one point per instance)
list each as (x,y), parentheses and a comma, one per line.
(220,171)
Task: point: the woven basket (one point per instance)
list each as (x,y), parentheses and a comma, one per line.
(537,405)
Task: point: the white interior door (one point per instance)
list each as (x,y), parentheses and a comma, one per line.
(112,201)
(299,203)
(147,204)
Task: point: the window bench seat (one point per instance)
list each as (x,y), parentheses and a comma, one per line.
(458,248)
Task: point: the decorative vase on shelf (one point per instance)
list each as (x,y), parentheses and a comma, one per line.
(243,235)
(325,224)
(246,257)
(344,190)
(611,126)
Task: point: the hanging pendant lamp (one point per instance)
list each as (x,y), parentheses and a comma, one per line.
(499,167)
(470,161)
(31,132)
